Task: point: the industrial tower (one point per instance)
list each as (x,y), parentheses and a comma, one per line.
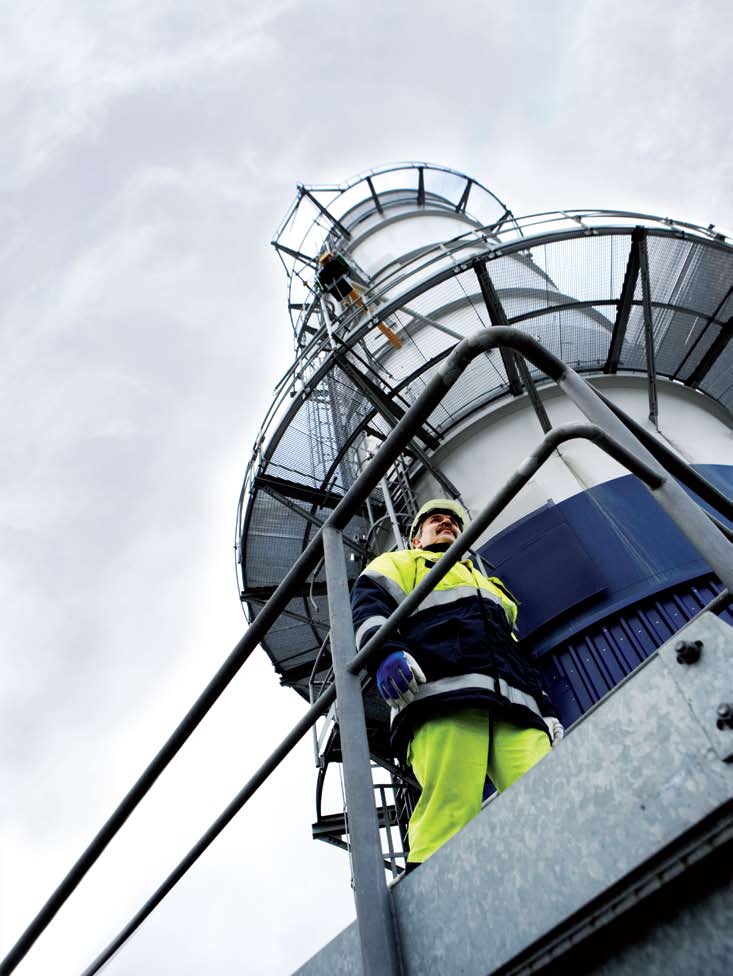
(641,306)
(445,347)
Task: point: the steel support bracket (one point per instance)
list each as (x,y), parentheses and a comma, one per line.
(707,682)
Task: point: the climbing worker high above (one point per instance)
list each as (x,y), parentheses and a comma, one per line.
(466,703)
(335,278)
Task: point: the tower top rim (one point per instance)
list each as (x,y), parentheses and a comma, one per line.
(324,215)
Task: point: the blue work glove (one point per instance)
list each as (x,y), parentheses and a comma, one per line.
(554,727)
(398,676)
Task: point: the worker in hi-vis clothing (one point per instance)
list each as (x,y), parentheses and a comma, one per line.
(335,277)
(466,704)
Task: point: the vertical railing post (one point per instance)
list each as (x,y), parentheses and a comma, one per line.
(373,904)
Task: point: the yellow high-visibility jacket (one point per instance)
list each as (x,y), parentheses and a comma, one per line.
(461,636)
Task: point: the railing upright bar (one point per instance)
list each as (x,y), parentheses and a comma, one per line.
(646,301)
(379,951)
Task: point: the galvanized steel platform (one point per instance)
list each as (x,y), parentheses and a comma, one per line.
(612,856)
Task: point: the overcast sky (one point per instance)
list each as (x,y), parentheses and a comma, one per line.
(148,152)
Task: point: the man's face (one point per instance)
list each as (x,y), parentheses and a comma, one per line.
(437,527)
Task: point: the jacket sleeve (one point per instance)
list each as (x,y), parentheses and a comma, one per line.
(373,600)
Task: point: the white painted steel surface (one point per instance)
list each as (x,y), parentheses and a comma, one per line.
(485,451)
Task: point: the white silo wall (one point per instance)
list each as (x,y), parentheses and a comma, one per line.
(391,239)
(480,457)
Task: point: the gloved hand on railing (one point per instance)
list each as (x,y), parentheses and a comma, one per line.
(398,676)
(554,727)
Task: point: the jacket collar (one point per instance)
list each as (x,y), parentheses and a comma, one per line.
(432,556)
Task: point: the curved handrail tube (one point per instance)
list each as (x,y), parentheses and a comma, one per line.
(524,473)
(676,503)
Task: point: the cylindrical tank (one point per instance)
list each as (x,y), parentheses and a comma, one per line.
(641,306)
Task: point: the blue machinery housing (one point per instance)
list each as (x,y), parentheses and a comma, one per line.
(594,610)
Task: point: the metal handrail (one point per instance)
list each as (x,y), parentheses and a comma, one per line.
(518,480)
(527,470)
(615,438)
(532,230)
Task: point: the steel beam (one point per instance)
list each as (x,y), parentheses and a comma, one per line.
(717,346)
(375,196)
(417,317)
(497,316)
(343,230)
(308,516)
(303,619)
(463,202)
(393,414)
(517,371)
(711,320)
(304,258)
(384,403)
(303,493)
(625,302)
(299,673)
(646,297)
(263,593)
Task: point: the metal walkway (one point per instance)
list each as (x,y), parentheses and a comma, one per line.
(613,855)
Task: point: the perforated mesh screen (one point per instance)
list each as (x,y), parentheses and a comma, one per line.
(719,381)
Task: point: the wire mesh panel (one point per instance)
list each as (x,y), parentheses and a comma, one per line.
(719,381)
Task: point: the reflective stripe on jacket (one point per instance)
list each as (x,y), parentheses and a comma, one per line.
(460,635)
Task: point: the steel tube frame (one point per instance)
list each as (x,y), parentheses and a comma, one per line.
(373,907)
(702,534)
(519,479)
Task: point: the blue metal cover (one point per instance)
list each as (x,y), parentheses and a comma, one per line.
(582,670)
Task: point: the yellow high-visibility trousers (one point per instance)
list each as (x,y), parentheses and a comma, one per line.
(451,757)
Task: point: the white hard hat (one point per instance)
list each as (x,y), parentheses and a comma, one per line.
(439,505)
